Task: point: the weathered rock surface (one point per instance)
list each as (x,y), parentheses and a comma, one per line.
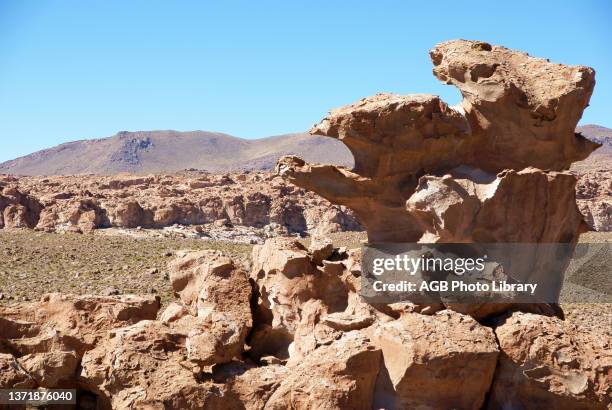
(69,322)
(295,333)
(218,295)
(448,350)
(293,293)
(17,209)
(522,110)
(468,205)
(144,366)
(518,112)
(339,376)
(83,203)
(315,343)
(594,198)
(547,363)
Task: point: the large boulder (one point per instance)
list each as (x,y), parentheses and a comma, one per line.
(18,209)
(293,292)
(142,366)
(436,362)
(341,375)
(70,322)
(217,294)
(594,199)
(548,363)
(518,112)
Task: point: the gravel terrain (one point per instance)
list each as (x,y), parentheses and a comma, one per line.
(33,263)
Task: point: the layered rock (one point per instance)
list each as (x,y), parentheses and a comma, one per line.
(83,203)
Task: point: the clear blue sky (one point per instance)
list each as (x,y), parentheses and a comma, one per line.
(87,69)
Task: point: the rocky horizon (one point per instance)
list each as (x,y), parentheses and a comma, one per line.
(171,151)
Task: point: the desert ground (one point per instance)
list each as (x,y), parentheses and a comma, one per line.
(115,262)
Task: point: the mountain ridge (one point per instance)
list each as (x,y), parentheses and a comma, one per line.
(171,151)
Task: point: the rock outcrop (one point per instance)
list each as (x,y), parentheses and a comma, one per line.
(594,198)
(314,344)
(546,363)
(84,203)
(295,331)
(17,209)
(518,112)
(446,350)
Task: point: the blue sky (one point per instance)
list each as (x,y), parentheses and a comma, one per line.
(87,69)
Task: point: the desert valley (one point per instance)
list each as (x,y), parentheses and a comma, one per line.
(198,270)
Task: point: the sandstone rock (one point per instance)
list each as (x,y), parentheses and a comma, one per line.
(141,366)
(82,203)
(70,323)
(173,312)
(522,110)
(129,215)
(392,135)
(49,369)
(517,112)
(252,385)
(288,280)
(442,361)
(547,363)
(594,199)
(17,209)
(467,205)
(320,248)
(345,382)
(218,294)
(12,376)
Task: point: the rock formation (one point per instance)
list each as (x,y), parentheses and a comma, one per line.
(84,203)
(295,331)
(517,112)
(594,198)
(296,335)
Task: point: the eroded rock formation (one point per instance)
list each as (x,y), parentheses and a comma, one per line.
(297,336)
(295,331)
(594,198)
(84,203)
(512,131)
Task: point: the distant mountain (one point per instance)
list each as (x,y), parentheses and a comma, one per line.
(597,133)
(168,151)
(602,157)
